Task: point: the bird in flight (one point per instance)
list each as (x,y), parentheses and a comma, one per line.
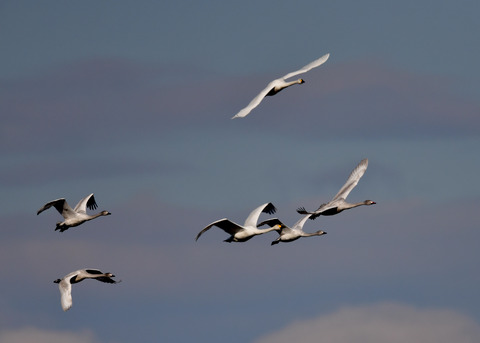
(280,84)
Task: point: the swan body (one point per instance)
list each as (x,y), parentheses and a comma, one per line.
(287,234)
(242,233)
(65,284)
(76,216)
(280,84)
(338,203)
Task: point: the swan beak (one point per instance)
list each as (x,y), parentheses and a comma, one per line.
(302,81)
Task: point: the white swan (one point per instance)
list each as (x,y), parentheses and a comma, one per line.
(279,84)
(76,216)
(287,234)
(243,233)
(65,284)
(338,203)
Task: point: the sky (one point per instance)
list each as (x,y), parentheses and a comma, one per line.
(132,101)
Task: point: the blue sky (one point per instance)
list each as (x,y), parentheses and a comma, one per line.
(132,101)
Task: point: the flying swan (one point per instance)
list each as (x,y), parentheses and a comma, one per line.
(76,216)
(287,234)
(338,203)
(65,284)
(243,233)
(279,84)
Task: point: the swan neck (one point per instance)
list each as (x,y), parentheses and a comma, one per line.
(96,215)
(290,83)
(347,206)
(267,229)
(312,234)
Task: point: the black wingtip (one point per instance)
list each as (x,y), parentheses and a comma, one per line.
(270,209)
(302,210)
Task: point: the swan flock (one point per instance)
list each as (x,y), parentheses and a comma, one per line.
(239,233)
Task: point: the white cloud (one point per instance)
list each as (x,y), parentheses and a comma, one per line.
(385,322)
(26,335)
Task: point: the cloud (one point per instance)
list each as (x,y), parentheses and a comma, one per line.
(31,334)
(379,323)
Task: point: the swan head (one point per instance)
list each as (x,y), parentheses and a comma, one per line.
(105,213)
(320,232)
(301,81)
(109,275)
(57,280)
(369,202)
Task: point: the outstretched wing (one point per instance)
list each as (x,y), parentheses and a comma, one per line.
(88,201)
(309,66)
(96,274)
(313,214)
(252,218)
(60,205)
(352,180)
(302,209)
(224,224)
(65,294)
(256,101)
(299,224)
(93,271)
(106,279)
(322,208)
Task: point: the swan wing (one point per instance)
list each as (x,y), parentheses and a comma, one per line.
(252,218)
(309,66)
(87,202)
(61,206)
(65,293)
(257,100)
(314,214)
(302,209)
(92,273)
(299,224)
(106,279)
(352,180)
(224,224)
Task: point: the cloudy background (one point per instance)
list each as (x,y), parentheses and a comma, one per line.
(133,100)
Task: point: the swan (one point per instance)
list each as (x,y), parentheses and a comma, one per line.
(242,233)
(280,84)
(76,216)
(338,203)
(65,284)
(287,234)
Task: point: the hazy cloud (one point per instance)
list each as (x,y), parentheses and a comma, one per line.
(380,323)
(31,334)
